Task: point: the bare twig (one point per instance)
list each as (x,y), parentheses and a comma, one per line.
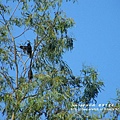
(21,33)
(2,22)
(15,10)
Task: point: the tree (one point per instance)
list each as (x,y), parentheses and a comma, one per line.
(113,110)
(35,82)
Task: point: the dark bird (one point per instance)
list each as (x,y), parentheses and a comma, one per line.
(30,75)
(24,48)
(27,48)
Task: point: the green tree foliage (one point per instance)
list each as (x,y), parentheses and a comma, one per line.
(53,89)
(109,111)
(113,110)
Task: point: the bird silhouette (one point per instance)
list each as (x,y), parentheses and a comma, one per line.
(27,48)
(30,75)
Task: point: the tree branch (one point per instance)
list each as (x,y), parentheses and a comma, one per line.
(2,22)
(15,53)
(15,58)
(15,10)
(13,116)
(29,96)
(24,64)
(21,33)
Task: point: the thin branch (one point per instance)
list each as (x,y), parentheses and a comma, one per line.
(15,53)
(26,68)
(15,58)
(2,22)
(4,19)
(29,96)
(13,116)
(24,63)
(15,10)
(21,33)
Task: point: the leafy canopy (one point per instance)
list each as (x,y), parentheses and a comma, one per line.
(53,89)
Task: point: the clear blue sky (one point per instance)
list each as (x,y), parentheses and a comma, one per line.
(97,33)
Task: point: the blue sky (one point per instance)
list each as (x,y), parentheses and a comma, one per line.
(97,33)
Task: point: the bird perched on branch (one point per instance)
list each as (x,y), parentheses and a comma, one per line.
(24,48)
(27,48)
(30,75)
